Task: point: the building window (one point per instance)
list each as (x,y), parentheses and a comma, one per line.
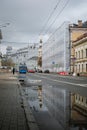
(86,100)
(24,55)
(79,54)
(82,67)
(82,53)
(86,67)
(79,68)
(76,54)
(86,52)
(82,99)
(76,68)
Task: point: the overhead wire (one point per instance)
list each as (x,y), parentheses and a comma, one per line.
(13,42)
(17,42)
(50,17)
(57,16)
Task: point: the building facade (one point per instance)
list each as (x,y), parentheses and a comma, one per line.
(56,54)
(27,55)
(76,30)
(80,51)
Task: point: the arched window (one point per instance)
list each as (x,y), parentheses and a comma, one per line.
(82,53)
(82,67)
(86,67)
(86,52)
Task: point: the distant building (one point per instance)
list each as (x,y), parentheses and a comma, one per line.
(40,55)
(27,55)
(8,50)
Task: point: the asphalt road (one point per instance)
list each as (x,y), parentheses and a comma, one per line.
(50,97)
(70,83)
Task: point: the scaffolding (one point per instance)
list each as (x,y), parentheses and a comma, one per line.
(56,51)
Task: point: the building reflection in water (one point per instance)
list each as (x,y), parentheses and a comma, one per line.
(40,96)
(69,109)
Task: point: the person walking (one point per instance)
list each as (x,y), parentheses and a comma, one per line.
(13,70)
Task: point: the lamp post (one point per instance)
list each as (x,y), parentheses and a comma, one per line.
(0,49)
(2,26)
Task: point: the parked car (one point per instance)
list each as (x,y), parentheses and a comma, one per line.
(39,71)
(31,71)
(46,71)
(63,73)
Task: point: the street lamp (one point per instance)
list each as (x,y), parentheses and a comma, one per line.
(0,34)
(4,25)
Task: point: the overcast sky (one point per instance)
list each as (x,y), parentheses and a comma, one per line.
(29,18)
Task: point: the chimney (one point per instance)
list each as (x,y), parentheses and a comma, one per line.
(79,23)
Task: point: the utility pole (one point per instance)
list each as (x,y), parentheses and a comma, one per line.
(2,26)
(0,45)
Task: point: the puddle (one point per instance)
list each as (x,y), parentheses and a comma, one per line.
(30,82)
(67,108)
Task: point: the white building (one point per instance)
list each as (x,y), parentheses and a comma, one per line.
(27,55)
(56,52)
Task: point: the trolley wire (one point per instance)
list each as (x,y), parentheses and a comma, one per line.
(57,16)
(56,6)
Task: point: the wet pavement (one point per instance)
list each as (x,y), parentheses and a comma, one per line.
(12,115)
(35,106)
(55,108)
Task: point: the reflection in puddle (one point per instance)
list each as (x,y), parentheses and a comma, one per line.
(40,96)
(34,95)
(69,109)
(78,110)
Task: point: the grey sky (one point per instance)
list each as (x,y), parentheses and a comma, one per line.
(27,18)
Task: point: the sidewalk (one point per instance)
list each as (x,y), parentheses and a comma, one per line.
(12,114)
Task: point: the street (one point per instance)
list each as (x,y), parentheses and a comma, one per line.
(70,83)
(57,102)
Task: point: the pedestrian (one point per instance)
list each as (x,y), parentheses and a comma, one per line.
(13,70)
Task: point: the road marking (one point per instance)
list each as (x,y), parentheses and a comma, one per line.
(12,77)
(68,77)
(82,85)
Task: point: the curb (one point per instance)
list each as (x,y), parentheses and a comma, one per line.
(32,125)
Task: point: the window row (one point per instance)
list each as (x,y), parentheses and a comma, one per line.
(81,68)
(81,54)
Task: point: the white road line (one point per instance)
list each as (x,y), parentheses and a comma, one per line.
(68,77)
(82,85)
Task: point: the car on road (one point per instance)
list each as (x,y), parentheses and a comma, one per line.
(46,71)
(63,73)
(39,71)
(31,71)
